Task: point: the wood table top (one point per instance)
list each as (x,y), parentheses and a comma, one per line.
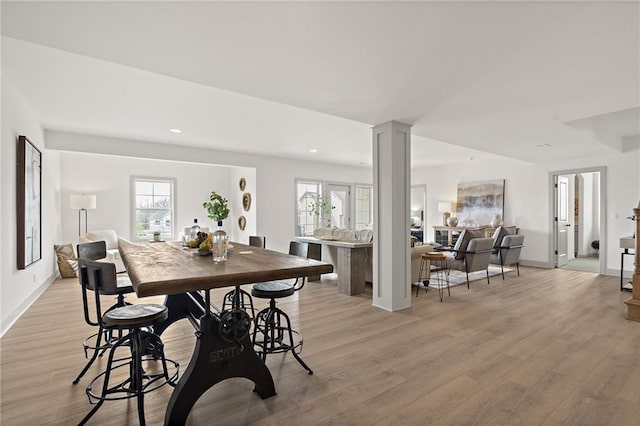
(433,255)
(167,268)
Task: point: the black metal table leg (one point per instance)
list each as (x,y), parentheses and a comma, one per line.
(213,361)
(180,306)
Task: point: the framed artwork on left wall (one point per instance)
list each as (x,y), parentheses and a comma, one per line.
(29,203)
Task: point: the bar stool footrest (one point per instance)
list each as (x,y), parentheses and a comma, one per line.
(150,382)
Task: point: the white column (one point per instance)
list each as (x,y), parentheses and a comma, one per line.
(391,199)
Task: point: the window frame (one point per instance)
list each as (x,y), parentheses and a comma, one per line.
(317,220)
(323,186)
(133,210)
(356,186)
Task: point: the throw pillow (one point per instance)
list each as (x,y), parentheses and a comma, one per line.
(511,230)
(463,241)
(67,261)
(500,233)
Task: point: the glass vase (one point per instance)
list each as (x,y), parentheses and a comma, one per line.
(220,241)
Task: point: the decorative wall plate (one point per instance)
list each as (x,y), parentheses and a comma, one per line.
(242,184)
(246,201)
(242,222)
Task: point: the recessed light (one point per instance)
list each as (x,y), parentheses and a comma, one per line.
(175,130)
(313,150)
(543,145)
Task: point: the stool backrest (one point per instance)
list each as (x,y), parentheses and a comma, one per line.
(257,241)
(100,278)
(297,248)
(93,251)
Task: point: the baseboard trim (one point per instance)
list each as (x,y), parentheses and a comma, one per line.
(616,273)
(26,304)
(536,264)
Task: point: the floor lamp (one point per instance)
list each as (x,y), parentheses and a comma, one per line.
(82,203)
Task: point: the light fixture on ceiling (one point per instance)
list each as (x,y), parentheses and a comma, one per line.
(313,150)
(543,145)
(175,130)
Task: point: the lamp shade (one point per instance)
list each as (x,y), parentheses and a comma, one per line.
(444,207)
(82,201)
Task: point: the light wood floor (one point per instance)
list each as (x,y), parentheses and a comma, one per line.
(549,347)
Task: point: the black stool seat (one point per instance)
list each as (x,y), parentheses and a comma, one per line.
(272,290)
(133,316)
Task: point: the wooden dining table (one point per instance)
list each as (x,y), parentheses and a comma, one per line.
(223,344)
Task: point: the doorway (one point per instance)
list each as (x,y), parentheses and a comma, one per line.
(340,196)
(578,219)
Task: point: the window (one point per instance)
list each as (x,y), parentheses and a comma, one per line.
(364,206)
(307,218)
(153,201)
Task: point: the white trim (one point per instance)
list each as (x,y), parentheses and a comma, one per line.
(26,304)
(603,212)
(132,203)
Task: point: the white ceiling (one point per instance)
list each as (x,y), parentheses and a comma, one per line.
(527,80)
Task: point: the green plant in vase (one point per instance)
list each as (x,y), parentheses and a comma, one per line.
(320,207)
(218,210)
(217,207)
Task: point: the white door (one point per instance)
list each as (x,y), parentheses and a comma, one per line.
(340,214)
(562,224)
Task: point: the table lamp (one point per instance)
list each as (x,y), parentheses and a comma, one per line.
(82,203)
(445,209)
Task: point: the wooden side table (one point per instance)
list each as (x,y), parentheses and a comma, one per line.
(434,262)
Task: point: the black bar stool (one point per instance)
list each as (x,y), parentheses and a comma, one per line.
(242,299)
(146,348)
(272,322)
(102,340)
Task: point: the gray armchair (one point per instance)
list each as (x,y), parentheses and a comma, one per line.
(508,253)
(475,257)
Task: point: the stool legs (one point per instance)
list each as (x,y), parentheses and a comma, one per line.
(138,382)
(273,323)
(239,299)
(424,264)
(440,268)
(100,348)
(443,275)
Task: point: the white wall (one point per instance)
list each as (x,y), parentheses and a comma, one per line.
(249,175)
(19,288)
(273,184)
(527,198)
(109,178)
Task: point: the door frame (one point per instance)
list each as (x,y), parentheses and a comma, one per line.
(603,252)
(351,208)
(557,213)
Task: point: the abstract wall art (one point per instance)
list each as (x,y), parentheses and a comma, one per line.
(478,202)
